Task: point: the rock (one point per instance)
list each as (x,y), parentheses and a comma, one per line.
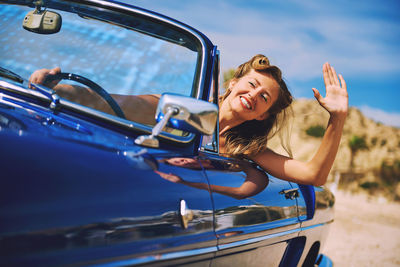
(383,141)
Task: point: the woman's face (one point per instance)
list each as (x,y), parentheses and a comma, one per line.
(252,95)
(184,162)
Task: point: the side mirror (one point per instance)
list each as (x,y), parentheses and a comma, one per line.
(183,113)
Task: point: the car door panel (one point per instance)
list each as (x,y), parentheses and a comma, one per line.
(99,208)
(257,223)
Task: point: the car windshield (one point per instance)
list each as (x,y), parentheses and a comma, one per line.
(125,55)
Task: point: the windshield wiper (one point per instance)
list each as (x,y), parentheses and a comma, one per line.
(47,92)
(11,75)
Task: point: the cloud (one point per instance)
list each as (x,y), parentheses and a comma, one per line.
(388,118)
(359,38)
(299,36)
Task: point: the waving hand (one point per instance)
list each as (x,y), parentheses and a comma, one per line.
(336,99)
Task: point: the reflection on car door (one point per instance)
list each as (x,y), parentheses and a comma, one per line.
(119,212)
(252,224)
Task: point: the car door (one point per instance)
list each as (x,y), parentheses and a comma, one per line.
(252,226)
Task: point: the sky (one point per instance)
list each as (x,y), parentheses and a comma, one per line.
(361,39)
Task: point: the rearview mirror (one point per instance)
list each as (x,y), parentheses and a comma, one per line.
(43,22)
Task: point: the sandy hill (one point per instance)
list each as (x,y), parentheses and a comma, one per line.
(376,166)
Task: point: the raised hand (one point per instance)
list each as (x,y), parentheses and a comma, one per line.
(336,99)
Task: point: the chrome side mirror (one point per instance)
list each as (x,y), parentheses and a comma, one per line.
(183,113)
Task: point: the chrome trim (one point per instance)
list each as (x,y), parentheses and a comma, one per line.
(50,94)
(24,91)
(194,252)
(315,225)
(151,140)
(217,64)
(125,124)
(158,257)
(256,239)
(214,93)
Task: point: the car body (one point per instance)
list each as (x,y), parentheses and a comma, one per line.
(84,183)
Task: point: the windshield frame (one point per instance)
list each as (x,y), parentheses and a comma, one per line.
(201,82)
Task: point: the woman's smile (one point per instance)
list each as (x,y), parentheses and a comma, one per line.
(252,95)
(246,103)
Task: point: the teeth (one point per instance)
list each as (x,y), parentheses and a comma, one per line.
(244,101)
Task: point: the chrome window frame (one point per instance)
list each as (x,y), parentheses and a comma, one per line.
(213,96)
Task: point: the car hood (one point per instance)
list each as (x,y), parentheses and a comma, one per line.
(50,163)
(33,128)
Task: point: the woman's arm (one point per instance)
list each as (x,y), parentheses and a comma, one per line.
(255,182)
(315,171)
(130,104)
(75,93)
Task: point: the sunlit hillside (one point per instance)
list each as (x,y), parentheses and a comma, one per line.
(374,147)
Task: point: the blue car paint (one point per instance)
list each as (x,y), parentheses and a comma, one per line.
(309,198)
(86,195)
(324,261)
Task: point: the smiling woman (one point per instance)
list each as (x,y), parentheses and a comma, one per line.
(256,99)
(256,105)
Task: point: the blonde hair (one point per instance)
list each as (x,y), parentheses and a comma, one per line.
(251,137)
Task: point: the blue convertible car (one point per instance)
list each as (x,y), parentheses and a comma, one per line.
(112,158)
